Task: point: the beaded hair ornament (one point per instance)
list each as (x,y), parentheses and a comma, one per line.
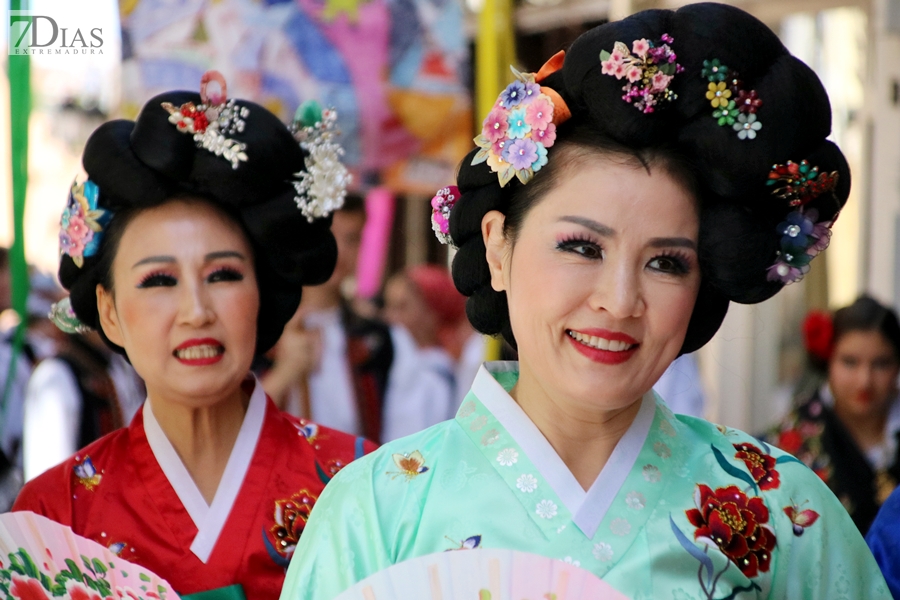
(521,127)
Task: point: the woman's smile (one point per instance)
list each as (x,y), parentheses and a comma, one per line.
(199,352)
(603,346)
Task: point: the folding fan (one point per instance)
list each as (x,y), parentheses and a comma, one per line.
(482,574)
(41,559)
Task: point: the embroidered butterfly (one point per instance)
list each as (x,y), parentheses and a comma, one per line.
(308,430)
(800,519)
(467,544)
(87,474)
(411,465)
(117,548)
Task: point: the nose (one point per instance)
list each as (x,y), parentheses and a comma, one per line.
(195,309)
(618,291)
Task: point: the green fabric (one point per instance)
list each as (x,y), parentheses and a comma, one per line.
(479,482)
(19,110)
(231,592)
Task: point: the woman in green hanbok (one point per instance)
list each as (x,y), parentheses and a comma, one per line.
(688,168)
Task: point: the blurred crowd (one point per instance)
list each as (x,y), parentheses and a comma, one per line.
(390,367)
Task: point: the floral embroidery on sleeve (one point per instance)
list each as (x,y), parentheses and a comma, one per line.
(761,466)
(290,517)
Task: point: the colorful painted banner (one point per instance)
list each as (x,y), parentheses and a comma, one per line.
(393,69)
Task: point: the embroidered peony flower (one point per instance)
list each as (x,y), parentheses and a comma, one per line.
(541,158)
(728,519)
(602,552)
(718,94)
(539,114)
(545,136)
(527,483)
(26,588)
(747,126)
(546,509)
(521,154)
(726,115)
(640,47)
(714,71)
(518,126)
(291,516)
(634,74)
(507,457)
(748,102)
(495,125)
(761,466)
(513,95)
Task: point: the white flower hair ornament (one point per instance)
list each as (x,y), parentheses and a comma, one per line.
(213,120)
(322,186)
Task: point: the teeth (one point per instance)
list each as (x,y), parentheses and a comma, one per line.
(195,352)
(599,343)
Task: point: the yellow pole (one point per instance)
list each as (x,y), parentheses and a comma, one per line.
(495,51)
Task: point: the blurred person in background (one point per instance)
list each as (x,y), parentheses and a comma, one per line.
(847,429)
(349,371)
(332,364)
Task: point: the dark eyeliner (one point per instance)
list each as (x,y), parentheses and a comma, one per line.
(157,280)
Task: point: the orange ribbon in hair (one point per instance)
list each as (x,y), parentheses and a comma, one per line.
(561,112)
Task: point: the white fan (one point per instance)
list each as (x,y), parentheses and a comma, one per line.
(40,558)
(482,574)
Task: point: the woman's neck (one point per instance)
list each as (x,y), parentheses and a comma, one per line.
(866,430)
(584,437)
(203,437)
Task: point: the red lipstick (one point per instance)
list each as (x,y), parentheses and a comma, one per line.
(606,357)
(198,359)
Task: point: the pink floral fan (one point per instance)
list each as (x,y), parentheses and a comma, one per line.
(43,560)
(482,574)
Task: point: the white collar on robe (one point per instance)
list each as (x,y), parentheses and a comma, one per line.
(588,507)
(209,519)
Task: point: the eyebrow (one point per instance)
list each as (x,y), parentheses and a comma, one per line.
(209,257)
(607,231)
(598,228)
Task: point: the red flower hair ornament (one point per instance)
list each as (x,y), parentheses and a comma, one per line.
(818,334)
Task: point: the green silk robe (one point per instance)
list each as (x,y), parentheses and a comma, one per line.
(683,509)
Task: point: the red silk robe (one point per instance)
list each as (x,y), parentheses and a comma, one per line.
(115,492)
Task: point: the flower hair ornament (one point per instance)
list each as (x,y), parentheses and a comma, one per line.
(322,187)
(441,205)
(649,68)
(734,106)
(62,315)
(82,222)
(521,126)
(212,120)
(803,236)
(818,334)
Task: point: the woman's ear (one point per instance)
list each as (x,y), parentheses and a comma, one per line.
(109,318)
(497,248)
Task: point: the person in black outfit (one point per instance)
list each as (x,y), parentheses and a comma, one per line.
(847,429)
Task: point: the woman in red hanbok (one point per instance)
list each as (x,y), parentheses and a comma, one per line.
(187,249)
